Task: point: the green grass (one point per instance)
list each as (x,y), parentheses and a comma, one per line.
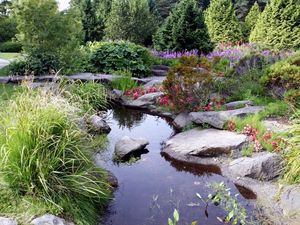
(123,81)
(7,91)
(46,162)
(9,55)
(4,71)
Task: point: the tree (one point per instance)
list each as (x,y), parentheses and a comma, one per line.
(130,20)
(279,25)
(44,30)
(222,23)
(184,29)
(251,19)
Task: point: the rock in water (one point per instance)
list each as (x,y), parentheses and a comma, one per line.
(98,125)
(127,146)
(50,220)
(208,142)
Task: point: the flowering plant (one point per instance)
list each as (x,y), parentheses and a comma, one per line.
(139,91)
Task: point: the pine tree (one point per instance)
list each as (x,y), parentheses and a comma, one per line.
(279,25)
(130,20)
(251,19)
(184,29)
(222,23)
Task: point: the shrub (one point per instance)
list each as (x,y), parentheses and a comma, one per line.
(44,154)
(123,81)
(91,96)
(278,25)
(8,28)
(283,79)
(10,47)
(188,88)
(292,156)
(121,55)
(184,29)
(251,18)
(222,23)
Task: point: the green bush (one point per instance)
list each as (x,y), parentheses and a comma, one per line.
(123,81)
(285,76)
(10,47)
(44,154)
(121,55)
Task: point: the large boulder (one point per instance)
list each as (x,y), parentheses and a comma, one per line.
(127,146)
(145,101)
(50,220)
(290,201)
(262,166)
(7,221)
(208,142)
(218,119)
(182,120)
(98,125)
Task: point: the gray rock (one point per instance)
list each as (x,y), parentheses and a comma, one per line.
(153,83)
(262,166)
(4,80)
(50,220)
(98,125)
(290,200)
(146,100)
(82,77)
(182,120)
(239,104)
(7,221)
(161,67)
(4,63)
(218,119)
(159,72)
(199,142)
(275,126)
(127,146)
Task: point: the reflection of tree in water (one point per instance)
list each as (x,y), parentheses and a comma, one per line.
(128,118)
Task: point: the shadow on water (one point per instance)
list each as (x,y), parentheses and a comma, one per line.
(152,187)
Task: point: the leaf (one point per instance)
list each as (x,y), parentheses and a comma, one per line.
(230,215)
(194,223)
(199,196)
(170,222)
(176,215)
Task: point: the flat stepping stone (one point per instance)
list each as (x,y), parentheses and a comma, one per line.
(127,146)
(208,142)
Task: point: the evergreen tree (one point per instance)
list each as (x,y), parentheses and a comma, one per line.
(251,19)
(130,20)
(222,23)
(279,25)
(184,29)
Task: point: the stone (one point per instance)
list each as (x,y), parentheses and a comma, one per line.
(199,142)
(4,63)
(275,126)
(146,100)
(50,220)
(98,125)
(153,83)
(182,120)
(159,72)
(238,104)
(7,221)
(261,166)
(82,77)
(127,146)
(290,200)
(161,67)
(218,119)
(4,80)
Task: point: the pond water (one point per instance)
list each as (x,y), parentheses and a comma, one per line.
(152,187)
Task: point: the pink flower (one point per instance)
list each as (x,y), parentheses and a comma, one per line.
(135,95)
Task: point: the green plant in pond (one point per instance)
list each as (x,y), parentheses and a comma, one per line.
(91,95)
(45,155)
(237,214)
(123,81)
(175,219)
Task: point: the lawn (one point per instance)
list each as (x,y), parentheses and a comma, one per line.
(9,55)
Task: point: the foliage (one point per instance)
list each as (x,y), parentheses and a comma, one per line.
(130,20)
(91,96)
(8,28)
(285,75)
(237,214)
(292,156)
(121,55)
(222,23)
(278,26)
(45,30)
(184,29)
(187,87)
(175,218)
(45,154)
(123,81)
(10,47)
(251,19)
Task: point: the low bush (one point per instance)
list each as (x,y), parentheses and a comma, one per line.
(123,81)
(10,47)
(187,88)
(45,156)
(292,156)
(283,79)
(121,55)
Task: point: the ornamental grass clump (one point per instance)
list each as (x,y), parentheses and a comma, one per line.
(45,155)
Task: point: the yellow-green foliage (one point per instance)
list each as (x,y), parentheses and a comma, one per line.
(251,18)
(292,157)
(279,25)
(286,75)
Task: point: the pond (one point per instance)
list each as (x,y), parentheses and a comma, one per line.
(152,187)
